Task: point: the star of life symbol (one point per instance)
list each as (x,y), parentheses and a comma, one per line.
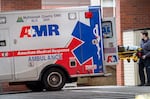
(97,41)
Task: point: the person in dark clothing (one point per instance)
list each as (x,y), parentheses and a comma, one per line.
(144,61)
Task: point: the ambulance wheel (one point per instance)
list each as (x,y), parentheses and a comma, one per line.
(35,86)
(54,79)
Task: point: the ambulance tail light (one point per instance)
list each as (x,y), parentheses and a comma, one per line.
(88,15)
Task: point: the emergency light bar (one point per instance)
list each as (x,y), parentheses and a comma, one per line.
(88,15)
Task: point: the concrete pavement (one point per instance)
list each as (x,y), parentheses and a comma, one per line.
(90,92)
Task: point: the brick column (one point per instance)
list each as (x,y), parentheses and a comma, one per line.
(0,5)
(120,73)
(13,5)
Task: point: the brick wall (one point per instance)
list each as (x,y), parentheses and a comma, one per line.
(135,14)
(130,14)
(7,88)
(108,12)
(12,5)
(0,5)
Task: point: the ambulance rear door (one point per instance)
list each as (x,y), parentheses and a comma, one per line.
(110,41)
(90,53)
(5,55)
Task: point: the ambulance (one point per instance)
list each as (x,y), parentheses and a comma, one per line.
(45,49)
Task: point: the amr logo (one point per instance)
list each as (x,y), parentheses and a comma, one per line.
(111,59)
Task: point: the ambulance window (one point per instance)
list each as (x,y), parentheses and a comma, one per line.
(2,43)
(107,29)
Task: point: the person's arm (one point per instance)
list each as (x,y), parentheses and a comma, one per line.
(147,48)
(147,55)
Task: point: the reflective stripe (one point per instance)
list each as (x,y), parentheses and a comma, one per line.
(33,52)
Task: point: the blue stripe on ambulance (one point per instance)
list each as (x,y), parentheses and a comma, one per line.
(96,19)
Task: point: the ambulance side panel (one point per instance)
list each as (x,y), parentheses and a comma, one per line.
(110,41)
(38,51)
(71,38)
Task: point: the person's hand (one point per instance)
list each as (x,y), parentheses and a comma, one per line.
(144,56)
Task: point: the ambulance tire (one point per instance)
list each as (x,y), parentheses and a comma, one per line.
(54,79)
(35,86)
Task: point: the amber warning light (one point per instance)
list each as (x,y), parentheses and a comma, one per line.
(88,14)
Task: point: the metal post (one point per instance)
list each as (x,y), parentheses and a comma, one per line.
(1,88)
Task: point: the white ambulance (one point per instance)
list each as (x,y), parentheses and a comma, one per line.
(48,48)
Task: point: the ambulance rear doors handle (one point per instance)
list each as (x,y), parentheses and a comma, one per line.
(15,41)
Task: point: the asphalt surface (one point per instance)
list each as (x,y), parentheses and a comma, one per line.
(93,92)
